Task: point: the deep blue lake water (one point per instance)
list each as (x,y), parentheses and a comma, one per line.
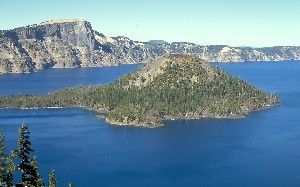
(260,150)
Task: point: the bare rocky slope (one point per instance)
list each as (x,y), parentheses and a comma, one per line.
(73,43)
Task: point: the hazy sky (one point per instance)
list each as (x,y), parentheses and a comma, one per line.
(231,22)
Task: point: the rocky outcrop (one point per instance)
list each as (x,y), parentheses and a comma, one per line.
(73,43)
(13,57)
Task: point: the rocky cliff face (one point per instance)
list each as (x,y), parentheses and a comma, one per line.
(73,43)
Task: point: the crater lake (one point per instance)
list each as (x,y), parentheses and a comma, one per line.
(259,150)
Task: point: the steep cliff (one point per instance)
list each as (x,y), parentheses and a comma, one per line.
(73,43)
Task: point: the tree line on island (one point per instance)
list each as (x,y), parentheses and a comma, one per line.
(20,160)
(170,87)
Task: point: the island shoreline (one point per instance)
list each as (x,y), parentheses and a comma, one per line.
(103,115)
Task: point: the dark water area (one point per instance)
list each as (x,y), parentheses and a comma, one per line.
(260,150)
(50,80)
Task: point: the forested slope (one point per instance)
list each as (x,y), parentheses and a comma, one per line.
(169,87)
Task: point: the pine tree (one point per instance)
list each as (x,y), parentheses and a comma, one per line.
(3,166)
(11,168)
(23,153)
(36,177)
(52,179)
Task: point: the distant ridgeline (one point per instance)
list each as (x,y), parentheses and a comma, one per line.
(168,87)
(73,43)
